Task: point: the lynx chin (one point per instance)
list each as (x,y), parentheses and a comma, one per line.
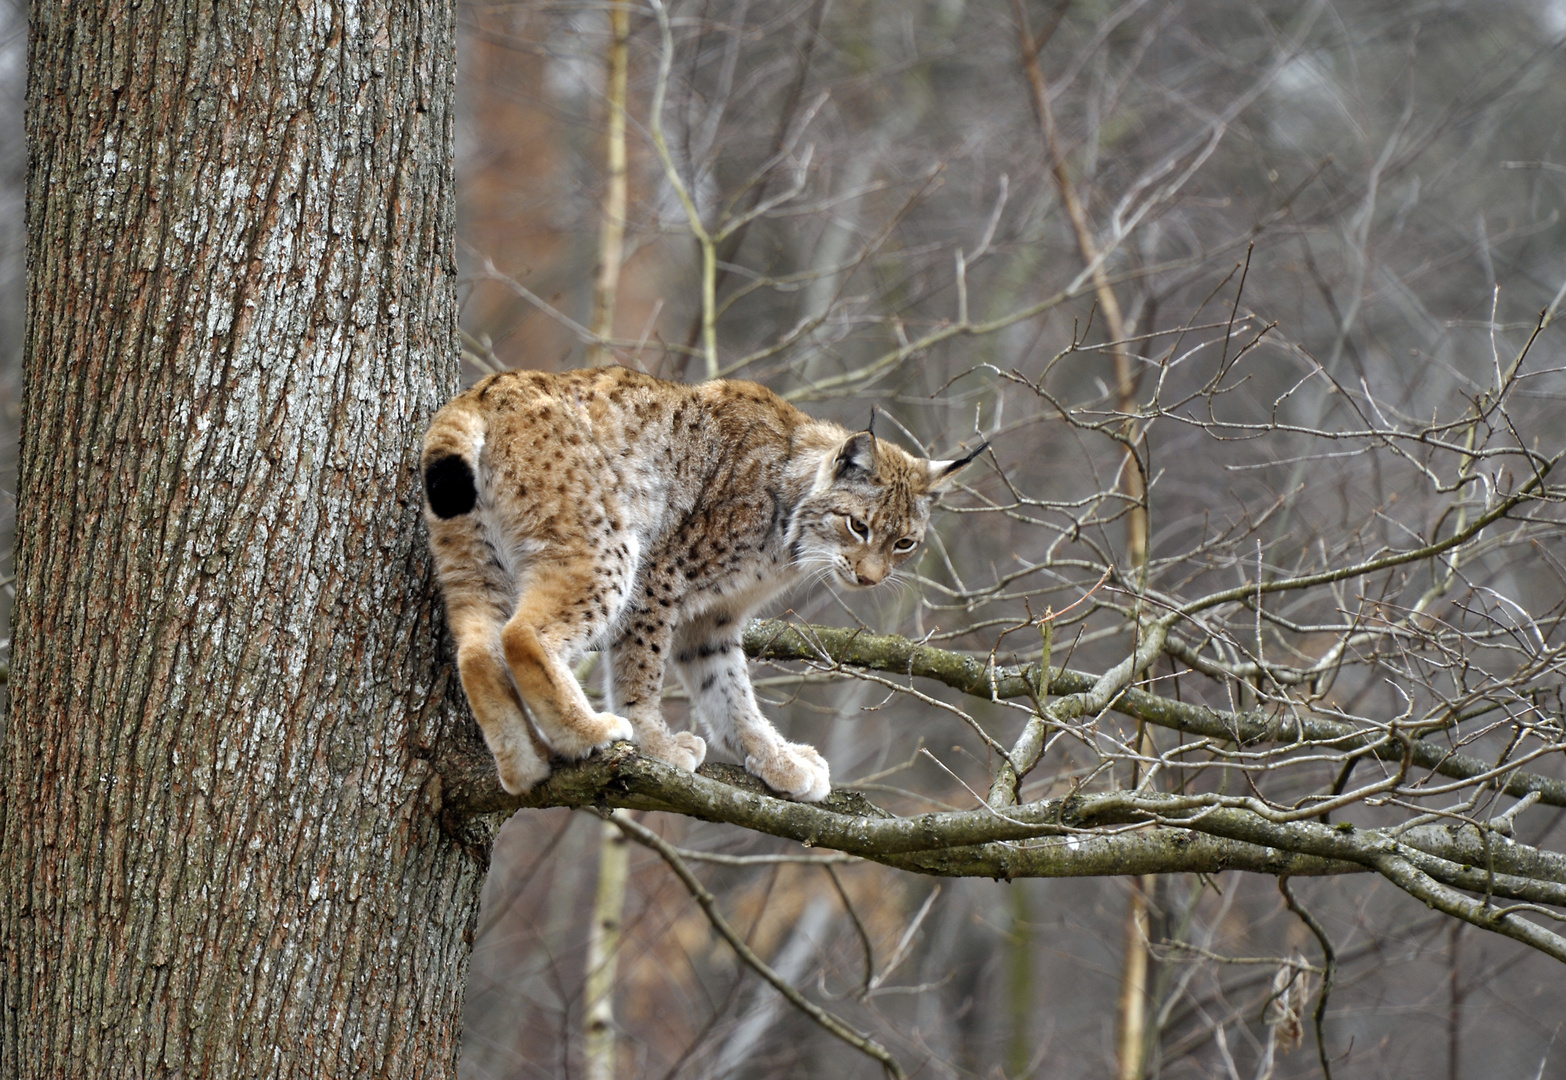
(606,508)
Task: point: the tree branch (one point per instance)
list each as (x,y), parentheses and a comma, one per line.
(977,676)
(1084,834)
(1159,834)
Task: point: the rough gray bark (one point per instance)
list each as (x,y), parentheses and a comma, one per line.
(220,842)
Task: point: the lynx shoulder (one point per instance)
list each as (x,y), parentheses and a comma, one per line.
(609,509)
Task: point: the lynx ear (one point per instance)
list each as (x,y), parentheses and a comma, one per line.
(943,473)
(856,455)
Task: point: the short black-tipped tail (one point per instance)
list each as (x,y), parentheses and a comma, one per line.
(449,487)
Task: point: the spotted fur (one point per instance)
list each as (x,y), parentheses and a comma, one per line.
(607,508)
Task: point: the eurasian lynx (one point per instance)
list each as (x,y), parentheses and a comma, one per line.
(606,507)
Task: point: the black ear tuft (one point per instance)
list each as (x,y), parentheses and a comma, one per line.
(942,472)
(856,455)
(957,463)
(449,487)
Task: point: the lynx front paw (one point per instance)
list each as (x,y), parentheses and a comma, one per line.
(680,749)
(795,769)
(693,750)
(597,731)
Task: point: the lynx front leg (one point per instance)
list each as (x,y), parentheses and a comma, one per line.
(711,665)
(487,684)
(636,685)
(562,608)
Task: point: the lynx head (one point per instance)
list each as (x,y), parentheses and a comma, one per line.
(868,508)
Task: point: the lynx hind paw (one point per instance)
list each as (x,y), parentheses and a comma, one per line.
(599,730)
(520,770)
(795,769)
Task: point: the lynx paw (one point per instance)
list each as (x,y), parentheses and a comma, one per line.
(595,733)
(519,766)
(680,749)
(795,769)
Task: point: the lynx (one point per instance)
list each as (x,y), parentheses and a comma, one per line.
(647,518)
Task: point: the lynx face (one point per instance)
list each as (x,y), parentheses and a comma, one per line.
(868,512)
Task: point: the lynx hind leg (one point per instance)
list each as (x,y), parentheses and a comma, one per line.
(487,684)
(563,607)
(711,665)
(476,591)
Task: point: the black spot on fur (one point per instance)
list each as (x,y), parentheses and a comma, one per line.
(449,487)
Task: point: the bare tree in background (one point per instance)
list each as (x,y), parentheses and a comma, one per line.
(1281,280)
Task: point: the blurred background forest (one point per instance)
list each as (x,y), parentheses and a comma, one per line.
(1397,172)
(1314,219)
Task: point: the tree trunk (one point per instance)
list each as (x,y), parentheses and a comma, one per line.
(221,846)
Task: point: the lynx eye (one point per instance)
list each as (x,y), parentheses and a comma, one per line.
(907,543)
(858,528)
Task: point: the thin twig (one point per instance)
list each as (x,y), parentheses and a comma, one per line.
(863,1043)
(1329,966)
(859,928)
